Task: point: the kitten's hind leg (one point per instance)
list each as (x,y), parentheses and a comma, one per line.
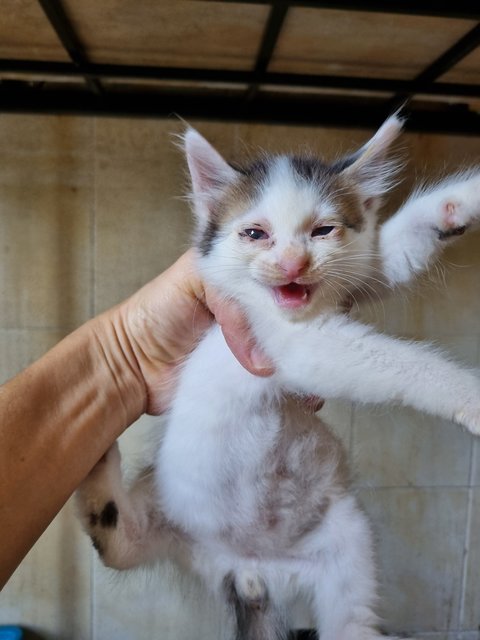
(345,586)
(256,616)
(127,527)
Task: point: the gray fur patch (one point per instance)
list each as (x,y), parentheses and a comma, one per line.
(310,169)
(257,619)
(109,515)
(209,235)
(457,231)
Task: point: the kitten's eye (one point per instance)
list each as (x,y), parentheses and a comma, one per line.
(256,234)
(322,231)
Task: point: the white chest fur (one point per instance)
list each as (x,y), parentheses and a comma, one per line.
(221,427)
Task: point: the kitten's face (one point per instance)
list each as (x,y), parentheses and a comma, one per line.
(290,233)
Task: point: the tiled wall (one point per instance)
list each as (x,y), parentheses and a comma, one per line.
(89,210)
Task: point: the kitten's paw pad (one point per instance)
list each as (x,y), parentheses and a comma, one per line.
(454,221)
(460,208)
(100,520)
(106,518)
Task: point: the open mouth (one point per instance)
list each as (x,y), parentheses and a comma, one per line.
(292,295)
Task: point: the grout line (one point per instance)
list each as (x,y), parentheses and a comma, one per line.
(454,634)
(412,487)
(466,545)
(466,554)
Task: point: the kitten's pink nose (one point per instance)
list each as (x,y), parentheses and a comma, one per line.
(293,266)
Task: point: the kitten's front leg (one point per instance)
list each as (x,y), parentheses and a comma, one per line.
(345,359)
(413,237)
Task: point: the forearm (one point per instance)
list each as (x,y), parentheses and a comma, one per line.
(57,418)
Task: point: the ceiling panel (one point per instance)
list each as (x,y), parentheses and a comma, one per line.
(26,34)
(246,59)
(179,34)
(467,70)
(354,43)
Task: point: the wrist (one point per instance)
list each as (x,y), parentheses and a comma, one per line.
(117,355)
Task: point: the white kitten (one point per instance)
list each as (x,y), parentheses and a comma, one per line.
(248,489)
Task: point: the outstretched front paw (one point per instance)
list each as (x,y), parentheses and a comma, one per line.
(459,207)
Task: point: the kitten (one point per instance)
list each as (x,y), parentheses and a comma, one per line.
(249,490)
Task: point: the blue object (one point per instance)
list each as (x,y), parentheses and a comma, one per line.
(11,633)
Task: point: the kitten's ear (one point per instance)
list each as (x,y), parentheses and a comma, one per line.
(370,168)
(210,173)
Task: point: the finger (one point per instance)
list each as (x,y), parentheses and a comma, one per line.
(238,335)
(251,357)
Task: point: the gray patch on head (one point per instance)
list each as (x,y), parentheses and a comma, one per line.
(207,238)
(259,169)
(255,176)
(310,168)
(327,179)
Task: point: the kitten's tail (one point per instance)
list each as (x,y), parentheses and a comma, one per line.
(257,618)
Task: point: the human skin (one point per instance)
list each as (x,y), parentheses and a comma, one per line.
(60,415)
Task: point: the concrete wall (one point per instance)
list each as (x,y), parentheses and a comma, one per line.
(90,210)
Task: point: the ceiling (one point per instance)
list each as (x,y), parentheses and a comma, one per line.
(327,63)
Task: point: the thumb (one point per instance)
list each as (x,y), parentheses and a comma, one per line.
(239,336)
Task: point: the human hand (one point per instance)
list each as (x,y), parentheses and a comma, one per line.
(162,323)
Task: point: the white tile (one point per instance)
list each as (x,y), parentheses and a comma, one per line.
(143,222)
(471,619)
(420,537)
(50,590)
(328,143)
(476,464)
(338,416)
(476,450)
(154,603)
(46,199)
(395,447)
(20,347)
